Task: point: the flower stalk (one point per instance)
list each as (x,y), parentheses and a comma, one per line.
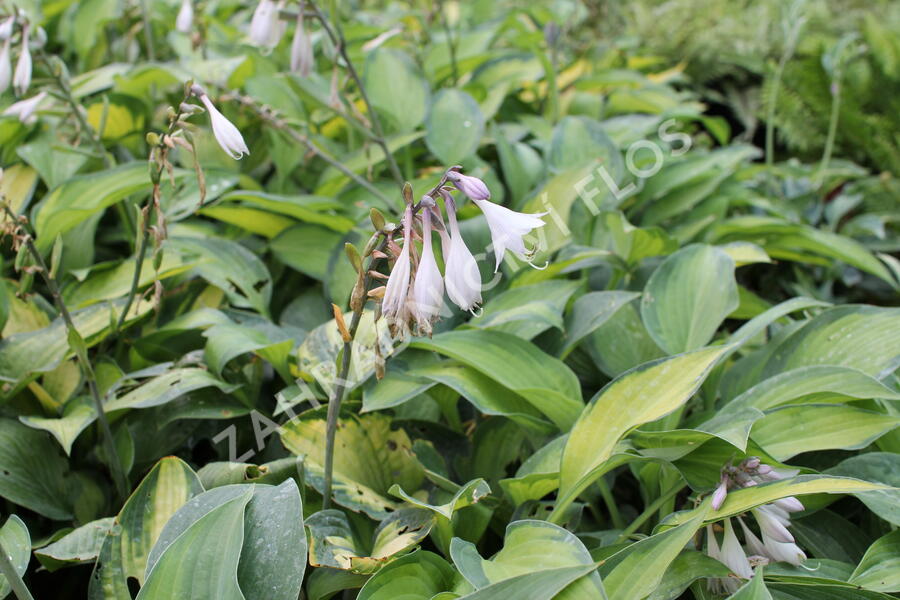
(76,342)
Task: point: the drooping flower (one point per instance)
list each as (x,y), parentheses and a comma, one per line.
(22,76)
(396,292)
(5,67)
(184,22)
(732,555)
(302,59)
(25,109)
(472,187)
(428,288)
(508,227)
(461,271)
(773,524)
(228,136)
(264,26)
(6,28)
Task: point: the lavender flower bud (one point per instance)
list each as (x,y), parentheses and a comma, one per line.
(25,109)
(720,493)
(265,30)
(302,59)
(472,187)
(6,28)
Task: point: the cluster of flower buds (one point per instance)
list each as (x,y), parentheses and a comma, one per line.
(20,78)
(414,293)
(227,135)
(777,544)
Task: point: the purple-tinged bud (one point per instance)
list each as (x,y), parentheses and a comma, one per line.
(752,463)
(719,495)
(472,187)
(763,469)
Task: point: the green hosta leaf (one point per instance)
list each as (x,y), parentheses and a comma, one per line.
(880,467)
(843,336)
(77,547)
(33,471)
(307,248)
(81,197)
(372,453)
(632,244)
(622,343)
(684,570)
(529,547)
(635,571)
(528,310)
(16,541)
(743,500)
(590,312)
(688,297)
(548,384)
(789,431)
(24,355)
(879,569)
(549,583)
(639,396)
(454,126)
(417,576)
(311,209)
(733,421)
(755,589)
(467,495)
(334,544)
(108,281)
(231,267)
(386,72)
(273,556)
(401,382)
(333,181)
(78,414)
(228,341)
(165,388)
(203,561)
(485,394)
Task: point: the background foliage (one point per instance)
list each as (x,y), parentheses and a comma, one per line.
(561,443)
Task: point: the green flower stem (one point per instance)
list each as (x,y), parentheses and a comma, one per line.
(649,510)
(337,38)
(334,403)
(77,343)
(8,570)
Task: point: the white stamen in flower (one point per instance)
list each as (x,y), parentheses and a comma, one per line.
(507,229)
(22,76)
(228,136)
(461,271)
(184,22)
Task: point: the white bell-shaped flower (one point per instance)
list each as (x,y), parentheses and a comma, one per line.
(184,22)
(461,270)
(265,30)
(428,287)
(396,292)
(508,227)
(22,76)
(24,109)
(5,67)
(302,59)
(228,136)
